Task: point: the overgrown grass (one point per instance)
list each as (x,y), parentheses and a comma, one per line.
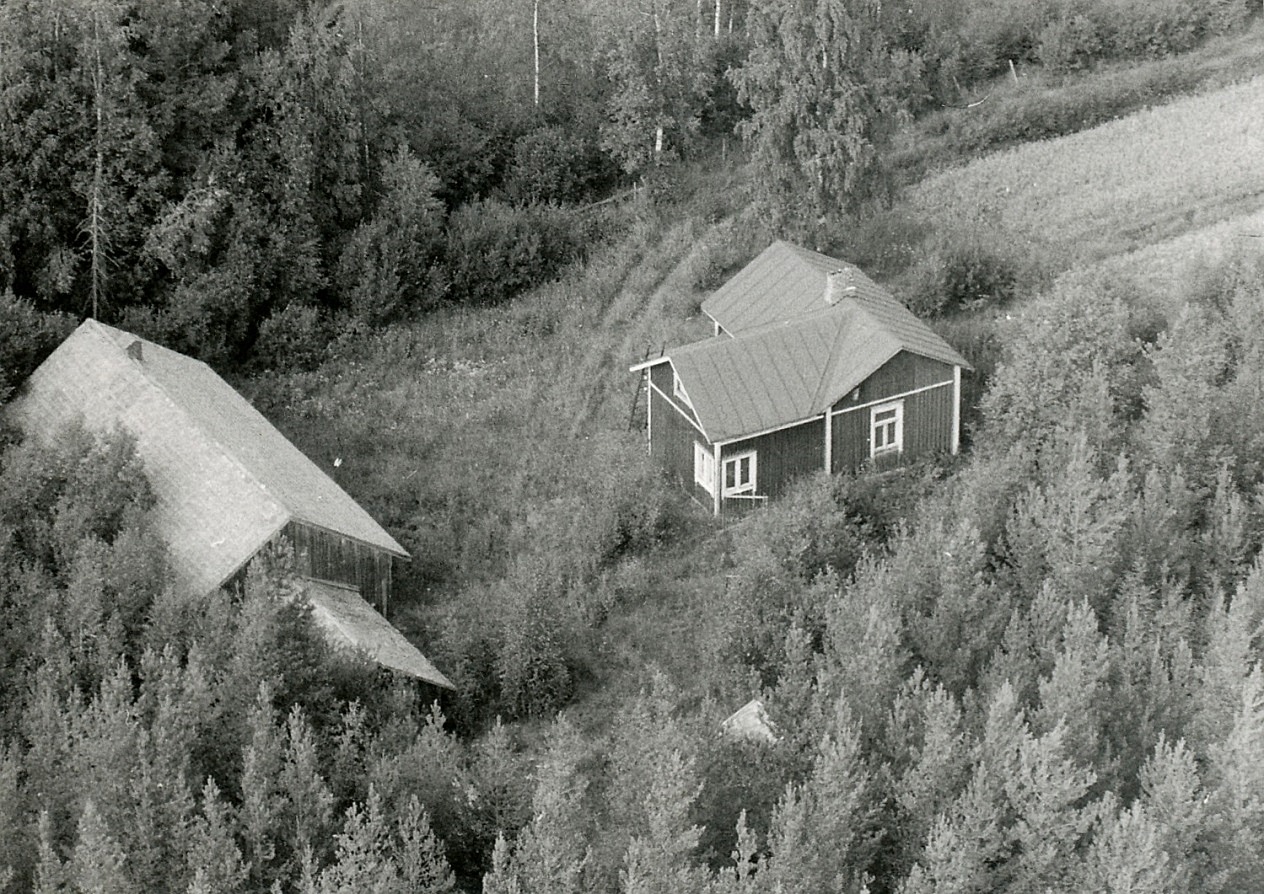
(504,448)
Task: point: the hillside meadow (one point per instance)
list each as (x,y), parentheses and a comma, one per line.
(1077,591)
(1102,192)
(507,441)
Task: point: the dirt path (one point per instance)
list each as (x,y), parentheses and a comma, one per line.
(645,315)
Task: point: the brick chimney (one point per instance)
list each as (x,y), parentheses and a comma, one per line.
(839,284)
(134,351)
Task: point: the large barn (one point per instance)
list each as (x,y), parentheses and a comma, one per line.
(227,482)
(812,367)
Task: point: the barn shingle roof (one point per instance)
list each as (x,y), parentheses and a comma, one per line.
(225,481)
(790,354)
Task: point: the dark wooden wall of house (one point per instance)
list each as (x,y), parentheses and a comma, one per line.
(903,372)
(927,429)
(324,555)
(780,457)
(662,377)
(671,443)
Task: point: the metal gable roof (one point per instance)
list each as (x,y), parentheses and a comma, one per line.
(896,319)
(226,481)
(783,283)
(791,354)
(759,381)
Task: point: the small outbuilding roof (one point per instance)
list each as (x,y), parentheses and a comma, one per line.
(787,371)
(350,622)
(225,479)
(750,722)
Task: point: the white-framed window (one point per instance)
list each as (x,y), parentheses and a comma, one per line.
(678,389)
(886,429)
(704,467)
(739,474)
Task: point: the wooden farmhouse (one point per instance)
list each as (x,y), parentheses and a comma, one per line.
(812,367)
(226,482)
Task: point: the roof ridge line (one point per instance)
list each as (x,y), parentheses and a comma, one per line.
(223,450)
(184,414)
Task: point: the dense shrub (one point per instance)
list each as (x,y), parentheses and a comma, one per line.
(1071,41)
(27,336)
(295,337)
(494,250)
(387,268)
(1066,35)
(729,247)
(996,32)
(554,165)
(976,338)
(1083,34)
(535,674)
(968,270)
(976,274)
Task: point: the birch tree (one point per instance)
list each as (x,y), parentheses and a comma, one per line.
(824,91)
(661,77)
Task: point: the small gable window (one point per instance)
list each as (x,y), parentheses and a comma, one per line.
(678,389)
(704,467)
(886,429)
(739,474)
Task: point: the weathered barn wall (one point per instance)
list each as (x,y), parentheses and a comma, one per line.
(324,555)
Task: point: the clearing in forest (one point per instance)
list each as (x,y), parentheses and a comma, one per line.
(1140,180)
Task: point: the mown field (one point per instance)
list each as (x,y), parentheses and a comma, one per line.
(1130,183)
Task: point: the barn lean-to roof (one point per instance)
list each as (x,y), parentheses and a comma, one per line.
(225,480)
(789,354)
(352,623)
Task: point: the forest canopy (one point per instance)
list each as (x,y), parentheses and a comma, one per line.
(231,177)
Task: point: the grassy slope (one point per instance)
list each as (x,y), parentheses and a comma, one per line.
(475,435)
(1163,274)
(470,433)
